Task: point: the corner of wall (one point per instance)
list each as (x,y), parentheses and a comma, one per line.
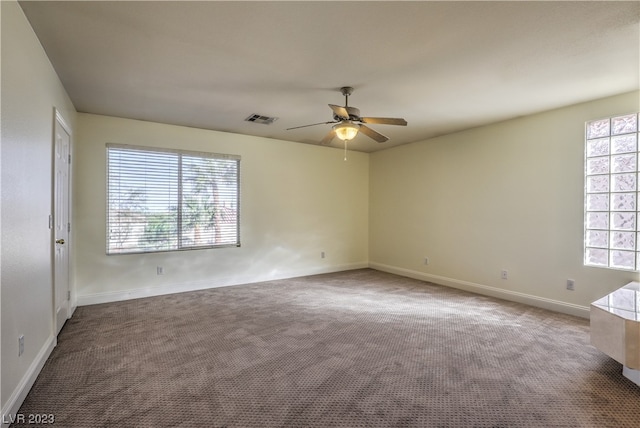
(13,403)
(528,299)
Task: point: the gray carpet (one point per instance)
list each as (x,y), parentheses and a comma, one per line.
(352,349)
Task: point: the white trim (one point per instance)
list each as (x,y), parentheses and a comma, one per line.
(59,119)
(63,122)
(514,296)
(631,374)
(20,393)
(137,293)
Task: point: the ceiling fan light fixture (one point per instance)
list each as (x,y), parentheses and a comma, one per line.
(346,130)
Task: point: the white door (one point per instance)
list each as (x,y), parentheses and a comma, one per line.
(61,225)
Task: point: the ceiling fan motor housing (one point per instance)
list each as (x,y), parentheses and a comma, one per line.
(354,114)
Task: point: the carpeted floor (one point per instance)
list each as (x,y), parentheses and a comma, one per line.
(352,349)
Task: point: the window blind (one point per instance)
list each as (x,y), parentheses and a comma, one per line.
(167,200)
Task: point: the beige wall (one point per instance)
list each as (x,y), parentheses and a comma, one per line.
(30,92)
(505,196)
(298,200)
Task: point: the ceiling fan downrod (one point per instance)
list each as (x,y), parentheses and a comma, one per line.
(346,91)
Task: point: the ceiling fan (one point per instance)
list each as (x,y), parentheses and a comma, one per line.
(348,122)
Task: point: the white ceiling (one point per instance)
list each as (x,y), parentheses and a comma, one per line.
(443,66)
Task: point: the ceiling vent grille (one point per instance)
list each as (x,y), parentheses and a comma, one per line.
(258,118)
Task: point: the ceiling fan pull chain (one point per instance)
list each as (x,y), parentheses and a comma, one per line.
(345,150)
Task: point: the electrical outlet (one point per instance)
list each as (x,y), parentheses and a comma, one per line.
(20,345)
(160,270)
(426,260)
(322,255)
(504,274)
(571,284)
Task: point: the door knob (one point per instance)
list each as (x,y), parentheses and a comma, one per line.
(60,241)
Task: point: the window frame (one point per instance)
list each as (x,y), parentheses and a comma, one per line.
(178,234)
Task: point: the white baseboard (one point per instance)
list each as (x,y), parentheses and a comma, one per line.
(514,296)
(541,302)
(20,393)
(137,293)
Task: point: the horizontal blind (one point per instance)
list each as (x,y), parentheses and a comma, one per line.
(209,201)
(165,200)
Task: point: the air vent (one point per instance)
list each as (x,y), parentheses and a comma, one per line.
(258,118)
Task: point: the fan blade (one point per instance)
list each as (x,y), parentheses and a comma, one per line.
(385,121)
(313,124)
(373,134)
(339,111)
(327,139)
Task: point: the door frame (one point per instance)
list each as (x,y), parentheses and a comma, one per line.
(71,306)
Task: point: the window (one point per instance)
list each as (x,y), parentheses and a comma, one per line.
(611,193)
(167,200)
